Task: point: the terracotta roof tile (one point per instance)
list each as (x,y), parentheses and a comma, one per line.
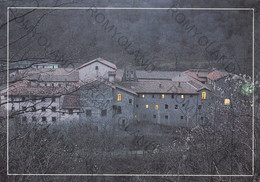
(216,74)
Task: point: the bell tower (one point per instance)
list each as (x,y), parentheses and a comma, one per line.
(129,74)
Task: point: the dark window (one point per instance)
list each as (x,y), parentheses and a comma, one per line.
(176,107)
(53,99)
(199,107)
(53,109)
(63,113)
(96,68)
(114,107)
(166,116)
(12,108)
(154,116)
(43,108)
(44,119)
(52,84)
(123,123)
(153,96)
(59,85)
(33,109)
(136,105)
(70,111)
(45,84)
(104,112)
(181,117)
(172,96)
(183,105)
(88,112)
(119,110)
(23,98)
(53,119)
(191,95)
(24,108)
(33,98)
(24,119)
(43,99)
(130,101)
(12,99)
(33,118)
(202,118)
(166,106)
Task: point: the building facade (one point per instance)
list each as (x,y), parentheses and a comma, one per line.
(100,94)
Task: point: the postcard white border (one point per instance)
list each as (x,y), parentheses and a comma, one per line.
(126,8)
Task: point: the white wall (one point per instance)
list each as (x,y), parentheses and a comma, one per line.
(89,71)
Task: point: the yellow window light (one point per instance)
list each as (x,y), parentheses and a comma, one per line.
(162,96)
(203,95)
(146,106)
(143,96)
(227,102)
(119,97)
(156,107)
(182,96)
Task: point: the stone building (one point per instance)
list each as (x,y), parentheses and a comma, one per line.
(100,94)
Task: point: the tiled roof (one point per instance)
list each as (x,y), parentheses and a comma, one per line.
(51,74)
(160,87)
(71,101)
(216,74)
(23,88)
(110,84)
(103,61)
(154,75)
(195,76)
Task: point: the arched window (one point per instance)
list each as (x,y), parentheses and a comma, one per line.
(156,107)
(119,97)
(203,95)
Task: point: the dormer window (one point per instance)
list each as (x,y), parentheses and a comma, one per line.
(96,68)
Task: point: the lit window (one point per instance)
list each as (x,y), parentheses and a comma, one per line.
(156,107)
(162,96)
(227,102)
(135,116)
(182,96)
(146,106)
(119,97)
(203,95)
(143,96)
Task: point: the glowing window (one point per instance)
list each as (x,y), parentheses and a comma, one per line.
(182,96)
(156,107)
(162,96)
(119,97)
(227,102)
(203,95)
(146,106)
(143,96)
(135,116)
